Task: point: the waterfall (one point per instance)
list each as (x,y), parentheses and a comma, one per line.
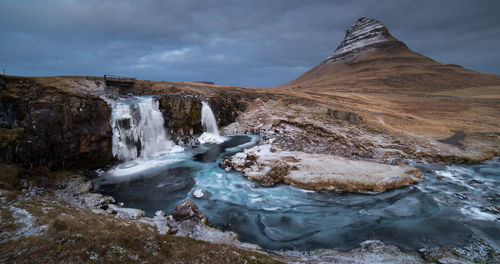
(211,131)
(208,119)
(138,130)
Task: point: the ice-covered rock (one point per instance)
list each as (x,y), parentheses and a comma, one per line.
(127,213)
(201,194)
(160,213)
(96,199)
(268,165)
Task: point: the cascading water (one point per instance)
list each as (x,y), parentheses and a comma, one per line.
(211,131)
(138,130)
(208,119)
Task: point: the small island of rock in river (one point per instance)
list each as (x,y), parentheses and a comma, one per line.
(376,155)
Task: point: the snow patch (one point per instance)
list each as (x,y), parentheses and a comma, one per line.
(198,193)
(209,138)
(26,223)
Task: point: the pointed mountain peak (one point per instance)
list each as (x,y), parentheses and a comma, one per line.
(365,35)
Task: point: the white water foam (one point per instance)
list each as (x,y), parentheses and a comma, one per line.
(138,130)
(211,131)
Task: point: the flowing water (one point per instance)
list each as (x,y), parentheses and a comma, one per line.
(210,128)
(138,131)
(453,205)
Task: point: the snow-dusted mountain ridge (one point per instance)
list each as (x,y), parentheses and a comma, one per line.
(365,35)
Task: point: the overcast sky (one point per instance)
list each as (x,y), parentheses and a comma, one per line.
(248,43)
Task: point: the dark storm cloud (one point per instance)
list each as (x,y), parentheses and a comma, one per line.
(251,43)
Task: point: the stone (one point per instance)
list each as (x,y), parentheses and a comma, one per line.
(85,187)
(341,115)
(187,210)
(160,213)
(198,193)
(344,116)
(225,165)
(275,174)
(127,213)
(96,199)
(353,118)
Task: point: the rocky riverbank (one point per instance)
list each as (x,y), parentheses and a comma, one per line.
(61,220)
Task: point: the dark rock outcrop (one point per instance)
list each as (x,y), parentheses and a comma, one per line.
(45,126)
(182,113)
(345,116)
(227,107)
(187,210)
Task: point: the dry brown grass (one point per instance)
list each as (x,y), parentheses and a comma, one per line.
(405,93)
(78,235)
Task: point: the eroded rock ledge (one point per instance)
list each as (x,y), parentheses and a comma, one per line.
(268,165)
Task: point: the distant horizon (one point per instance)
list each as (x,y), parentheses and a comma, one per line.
(237,43)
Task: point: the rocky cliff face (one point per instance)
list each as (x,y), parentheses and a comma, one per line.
(365,35)
(45,126)
(182,112)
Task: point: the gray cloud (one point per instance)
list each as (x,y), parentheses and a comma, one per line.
(250,43)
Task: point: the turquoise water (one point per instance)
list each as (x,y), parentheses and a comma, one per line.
(453,205)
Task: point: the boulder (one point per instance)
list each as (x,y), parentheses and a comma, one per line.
(96,199)
(344,116)
(201,194)
(127,213)
(275,174)
(187,210)
(85,187)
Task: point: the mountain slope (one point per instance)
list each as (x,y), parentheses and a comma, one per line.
(426,105)
(371,59)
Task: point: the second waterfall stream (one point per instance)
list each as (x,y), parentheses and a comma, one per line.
(210,128)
